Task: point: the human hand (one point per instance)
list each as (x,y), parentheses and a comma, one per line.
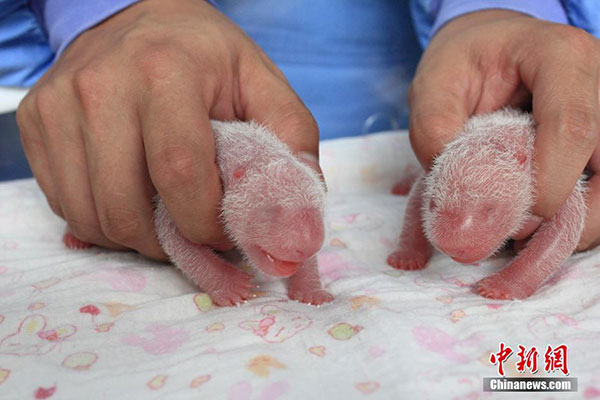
(124,114)
(483,61)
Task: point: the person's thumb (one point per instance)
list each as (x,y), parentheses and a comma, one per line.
(271,102)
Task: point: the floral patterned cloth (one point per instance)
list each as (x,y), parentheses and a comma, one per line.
(97,324)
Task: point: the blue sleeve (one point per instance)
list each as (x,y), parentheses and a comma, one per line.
(64,20)
(24,51)
(430,15)
(584,14)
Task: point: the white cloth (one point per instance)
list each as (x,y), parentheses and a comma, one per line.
(96,324)
(10,98)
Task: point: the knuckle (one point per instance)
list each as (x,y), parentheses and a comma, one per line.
(572,45)
(577,40)
(45,102)
(89,85)
(21,118)
(175,167)
(24,116)
(158,62)
(85,230)
(120,224)
(25,107)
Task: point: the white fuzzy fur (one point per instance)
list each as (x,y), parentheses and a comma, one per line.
(272,179)
(484,165)
(478,194)
(480,166)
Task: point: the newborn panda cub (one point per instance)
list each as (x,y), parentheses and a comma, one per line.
(477,195)
(272,210)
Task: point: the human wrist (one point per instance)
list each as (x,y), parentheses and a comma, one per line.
(548,10)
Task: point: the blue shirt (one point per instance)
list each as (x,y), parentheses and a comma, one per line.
(24,51)
(349,60)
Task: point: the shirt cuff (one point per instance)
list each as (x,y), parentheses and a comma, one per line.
(64,20)
(549,10)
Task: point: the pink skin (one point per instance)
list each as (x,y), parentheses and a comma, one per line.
(305,284)
(413,250)
(477,195)
(272,210)
(73,243)
(554,241)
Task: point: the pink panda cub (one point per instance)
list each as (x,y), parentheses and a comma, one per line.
(272,210)
(477,195)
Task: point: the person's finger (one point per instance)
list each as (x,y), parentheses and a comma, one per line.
(439,107)
(118,175)
(180,152)
(30,128)
(272,102)
(67,162)
(567,121)
(530,226)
